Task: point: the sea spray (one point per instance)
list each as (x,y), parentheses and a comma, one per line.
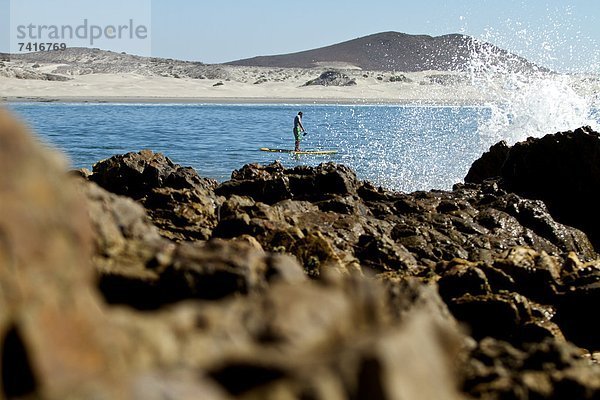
(428,147)
(411,147)
(533,105)
(528,102)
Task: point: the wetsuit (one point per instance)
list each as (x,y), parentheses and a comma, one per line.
(298,131)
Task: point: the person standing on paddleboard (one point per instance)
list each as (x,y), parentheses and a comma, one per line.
(298,130)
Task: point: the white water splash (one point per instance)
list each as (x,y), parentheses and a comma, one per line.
(533,105)
(528,102)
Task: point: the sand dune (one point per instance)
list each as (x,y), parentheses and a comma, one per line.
(155,88)
(95,75)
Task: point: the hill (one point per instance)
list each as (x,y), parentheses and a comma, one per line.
(394,51)
(76,61)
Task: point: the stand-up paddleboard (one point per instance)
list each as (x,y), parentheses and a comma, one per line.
(313,152)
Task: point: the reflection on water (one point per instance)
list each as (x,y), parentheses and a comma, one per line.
(400,147)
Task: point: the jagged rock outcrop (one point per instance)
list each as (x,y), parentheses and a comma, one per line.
(54,338)
(181,203)
(301,207)
(489,165)
(261,331)
(138,267)
(545,370)
(284,283)
(504,266)
(523,297)
(332,78)
(562,170)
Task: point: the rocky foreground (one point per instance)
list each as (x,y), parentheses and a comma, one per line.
(143,280)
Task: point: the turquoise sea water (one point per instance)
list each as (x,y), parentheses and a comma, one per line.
(399,147)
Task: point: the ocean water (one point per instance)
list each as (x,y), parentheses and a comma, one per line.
(400,147)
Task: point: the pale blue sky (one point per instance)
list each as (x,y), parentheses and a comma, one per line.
(559,34)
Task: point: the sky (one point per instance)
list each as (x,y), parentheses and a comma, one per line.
(563,35)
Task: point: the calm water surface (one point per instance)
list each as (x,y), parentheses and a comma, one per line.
(400,147)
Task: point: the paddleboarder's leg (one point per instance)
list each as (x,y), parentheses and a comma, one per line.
(298,138)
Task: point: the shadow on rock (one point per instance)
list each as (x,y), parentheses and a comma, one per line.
(299,283)
(562,169)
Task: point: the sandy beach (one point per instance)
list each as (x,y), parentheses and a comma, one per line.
(100,76)
(135,88)
(138,88)
(111,80)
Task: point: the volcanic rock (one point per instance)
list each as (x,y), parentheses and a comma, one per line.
(489,165)
(273,183)
(526,295)
(125,238)
(136,174)
(181,203)
(280,206)
(54,336)
(275,334)
(292,283)
(547,370)
(332,78)
(328,340)
(140,268)
(562,170)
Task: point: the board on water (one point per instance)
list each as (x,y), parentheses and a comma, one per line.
(314,152)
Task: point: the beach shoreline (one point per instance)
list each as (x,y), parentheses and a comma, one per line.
(22,81)
(242,100)
(105,79)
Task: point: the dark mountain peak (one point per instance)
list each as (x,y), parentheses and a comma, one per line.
(395,51)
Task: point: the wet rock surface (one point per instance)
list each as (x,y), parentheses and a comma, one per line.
(288,283)
(182,204)
(562,169)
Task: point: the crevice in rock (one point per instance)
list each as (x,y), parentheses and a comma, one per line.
(239,378)
(370,385)
(139,294)
(18,379)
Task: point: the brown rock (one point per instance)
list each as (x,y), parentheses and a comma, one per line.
(136,174)
(52,342)
(125,238)
(273,183)
(547,370)
(489,165)
(561,169)
(181,203)
(326,340)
